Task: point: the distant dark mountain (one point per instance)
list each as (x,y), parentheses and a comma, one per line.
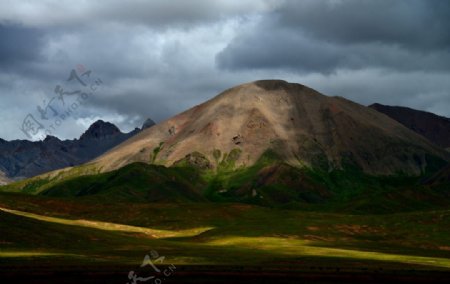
(23,158)
(148,123)
(100,130)
(435,128)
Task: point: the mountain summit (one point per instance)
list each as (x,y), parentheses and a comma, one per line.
(100,129)
(147,123)
(300,125)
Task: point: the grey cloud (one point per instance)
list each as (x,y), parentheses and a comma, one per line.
(158,58)
(278,49)
(324,36)
(145,74)
(19,45)
(421,90)
(157,14)
(417,24)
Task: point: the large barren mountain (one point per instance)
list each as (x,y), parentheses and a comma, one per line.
(434,127)
(302,126)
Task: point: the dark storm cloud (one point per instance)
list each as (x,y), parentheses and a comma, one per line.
(412,24)
(167,13)
(158,58)
(19,44)
(323,36)
(155,14)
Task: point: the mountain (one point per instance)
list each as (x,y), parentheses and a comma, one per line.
(300,125)
(23,158)
(100,130)
(148,123)
(435,128)
(270,143)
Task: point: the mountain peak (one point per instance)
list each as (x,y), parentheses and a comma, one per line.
(269,85)
(100,129)
(274,84)
(302,126)
(51,138)
(147,123)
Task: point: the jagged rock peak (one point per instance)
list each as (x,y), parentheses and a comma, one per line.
(147,123)
(100,129)
(51,138)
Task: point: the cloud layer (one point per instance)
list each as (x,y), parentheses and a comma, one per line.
(326,36)
(157,58)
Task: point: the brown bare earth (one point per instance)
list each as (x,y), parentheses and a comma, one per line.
(303,126)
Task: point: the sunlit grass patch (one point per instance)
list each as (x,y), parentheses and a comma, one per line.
(297,247)
(154,233)
(238,235)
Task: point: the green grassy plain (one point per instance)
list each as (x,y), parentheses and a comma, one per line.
(86,232)
(270,216)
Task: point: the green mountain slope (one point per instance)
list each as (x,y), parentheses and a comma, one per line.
(269,182)
(135,182)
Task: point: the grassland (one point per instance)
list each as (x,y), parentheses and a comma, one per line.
(211,234)
(230,219)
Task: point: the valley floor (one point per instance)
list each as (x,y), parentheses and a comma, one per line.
(50,240)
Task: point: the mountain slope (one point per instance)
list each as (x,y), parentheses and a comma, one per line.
(304,128)
(23,158)
(435,128)
(135,182)
(267,183)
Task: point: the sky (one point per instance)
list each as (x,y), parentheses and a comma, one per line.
(65,64)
